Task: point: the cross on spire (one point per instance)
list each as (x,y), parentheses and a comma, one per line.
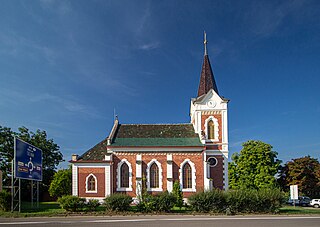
(205,43)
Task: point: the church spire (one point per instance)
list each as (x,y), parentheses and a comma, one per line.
(207,80)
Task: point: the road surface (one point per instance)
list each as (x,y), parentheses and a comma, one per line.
(166,220)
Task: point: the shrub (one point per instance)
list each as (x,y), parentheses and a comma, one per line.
(5,201)
(71,203)
(208,201)
(118,202)
(162,202)
(92,204)
(177,193)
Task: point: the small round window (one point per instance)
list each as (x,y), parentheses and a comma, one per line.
(212,161)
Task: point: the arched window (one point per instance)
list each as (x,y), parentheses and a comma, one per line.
(211,130)
(187,176)
(91,184)
(124,176)
(124,171)
(154,176)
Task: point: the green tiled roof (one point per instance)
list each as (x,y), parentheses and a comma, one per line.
(156,142)
(156,135)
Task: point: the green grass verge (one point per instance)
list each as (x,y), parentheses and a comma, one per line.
(49,209)
(299,210)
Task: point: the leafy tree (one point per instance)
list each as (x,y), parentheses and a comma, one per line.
(255,167)
(305,172)
(61,184)
(51,155)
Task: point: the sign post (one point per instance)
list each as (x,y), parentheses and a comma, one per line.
(294,193)
(27,164)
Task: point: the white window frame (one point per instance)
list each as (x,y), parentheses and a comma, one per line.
(119,188)
(193,174)
(216,128)
(95,182)
(159,189)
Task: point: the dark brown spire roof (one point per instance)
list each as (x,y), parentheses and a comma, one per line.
(207,81)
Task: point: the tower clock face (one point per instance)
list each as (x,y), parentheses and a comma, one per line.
(211,104)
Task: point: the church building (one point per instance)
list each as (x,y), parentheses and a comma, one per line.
(195,154)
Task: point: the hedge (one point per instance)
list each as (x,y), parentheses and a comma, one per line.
(237,201)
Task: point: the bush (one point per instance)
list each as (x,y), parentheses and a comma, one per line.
(162,202)
(177,193)
(118,202)
(71,203)
(5,201)
(92,204)
(208,201)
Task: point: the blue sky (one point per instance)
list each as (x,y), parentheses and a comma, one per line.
(66,65)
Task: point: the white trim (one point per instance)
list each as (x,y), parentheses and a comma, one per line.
(216,128)
(108,180)
(193,172)
(160,176)
(155,149)
(212,158)
(95,183)
(90,165)
(74,180)
(119,188)
(225,173)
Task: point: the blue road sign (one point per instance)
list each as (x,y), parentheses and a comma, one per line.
(27,161)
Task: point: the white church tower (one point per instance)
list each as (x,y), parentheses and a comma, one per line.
(209,116)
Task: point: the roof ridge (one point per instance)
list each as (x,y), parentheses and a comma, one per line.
(161,124)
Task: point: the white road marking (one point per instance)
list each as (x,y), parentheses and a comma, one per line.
(158,219)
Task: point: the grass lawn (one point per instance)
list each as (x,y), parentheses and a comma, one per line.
(299,210)
(45,209)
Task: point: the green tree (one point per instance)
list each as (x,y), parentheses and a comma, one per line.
(51,155)
(177,193)
(305,172)
(61,184)
(255,167)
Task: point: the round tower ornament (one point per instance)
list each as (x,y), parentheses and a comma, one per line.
(211,104)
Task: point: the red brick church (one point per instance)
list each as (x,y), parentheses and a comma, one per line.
(195,154)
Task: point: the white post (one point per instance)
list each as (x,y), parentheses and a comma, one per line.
(138,175)
(169,173)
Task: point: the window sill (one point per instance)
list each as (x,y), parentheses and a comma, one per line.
(154,190)
(188,190)
(91,191)
(124,189)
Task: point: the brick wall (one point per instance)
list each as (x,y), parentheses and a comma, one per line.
(216,172)
(178,158)
(99,173)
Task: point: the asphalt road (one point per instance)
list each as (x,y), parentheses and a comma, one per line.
(167,221)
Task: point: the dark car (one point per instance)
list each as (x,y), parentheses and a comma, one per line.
(301,201)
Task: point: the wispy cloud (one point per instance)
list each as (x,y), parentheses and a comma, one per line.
(61,7)
(16,45)
(68,104)
(149,46)
(265,17)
